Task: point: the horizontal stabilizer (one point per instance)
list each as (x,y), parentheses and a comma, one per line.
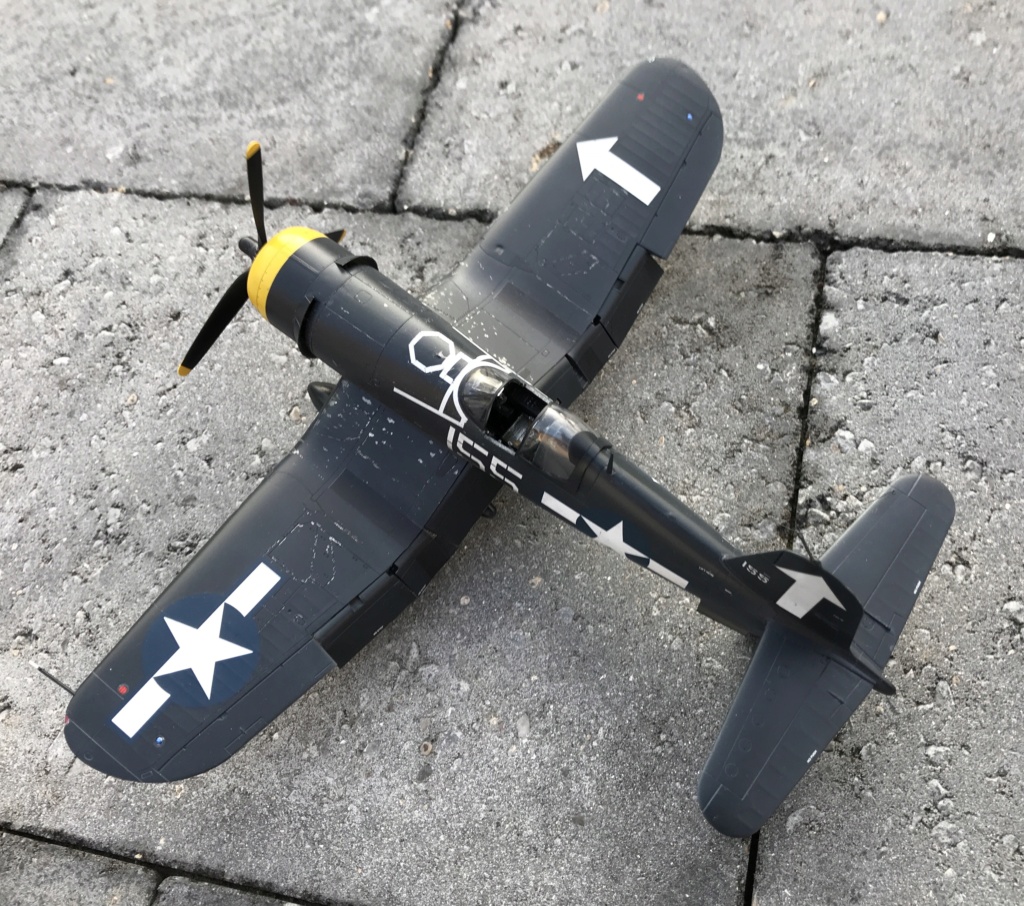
(791,703)
(885,556)
(796,694)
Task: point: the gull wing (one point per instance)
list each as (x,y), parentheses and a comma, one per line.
(559,278)
(338,539)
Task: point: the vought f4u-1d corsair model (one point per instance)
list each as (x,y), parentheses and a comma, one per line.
(438,408)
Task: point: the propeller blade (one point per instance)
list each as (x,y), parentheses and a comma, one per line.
(230,305)
(249,247)
(254,171)
(337,235)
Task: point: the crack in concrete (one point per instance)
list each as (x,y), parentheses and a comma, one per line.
(26,205)
(813,341)
(164,871)
(825,242)
(452,23)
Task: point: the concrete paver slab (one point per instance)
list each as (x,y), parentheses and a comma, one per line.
(32,872)
(918,799)
(568,700)
(895,122)
(164,98)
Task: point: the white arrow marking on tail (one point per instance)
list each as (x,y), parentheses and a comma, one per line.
(596,154)
(805,593)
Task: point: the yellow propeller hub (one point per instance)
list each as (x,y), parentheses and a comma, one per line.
(271,258)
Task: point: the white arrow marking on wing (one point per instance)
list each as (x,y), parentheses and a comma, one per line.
(596,154)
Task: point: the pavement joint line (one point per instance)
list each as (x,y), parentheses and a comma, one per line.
(163,871)
(453,20)
(750,881)
(749,892)
(479,215)
(813,342)
(825,242)
(26,205)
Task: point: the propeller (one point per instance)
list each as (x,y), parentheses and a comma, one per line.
(236,295)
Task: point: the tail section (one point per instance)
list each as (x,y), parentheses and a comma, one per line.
(801,594)
(823,650)
(885,556)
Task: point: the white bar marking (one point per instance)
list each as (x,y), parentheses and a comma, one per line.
(141,707)
(254,588)
(672,577)
(556,506)
(138,710)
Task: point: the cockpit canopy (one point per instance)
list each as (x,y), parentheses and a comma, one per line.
(479,392)
(544,434)
(557,442)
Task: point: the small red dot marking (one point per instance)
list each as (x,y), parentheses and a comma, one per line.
(640,96)
(67,720)
(122,689)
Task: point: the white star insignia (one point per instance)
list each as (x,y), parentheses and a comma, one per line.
(613,539)
(200,648)
(805,593)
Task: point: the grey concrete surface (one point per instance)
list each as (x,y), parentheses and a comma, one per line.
(898,121)
(164,97)
(178,891)
(568,701)
(919,799)
(32,872)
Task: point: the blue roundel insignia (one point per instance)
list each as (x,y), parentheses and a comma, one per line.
(201,645)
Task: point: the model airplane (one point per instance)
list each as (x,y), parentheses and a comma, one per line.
(438,408)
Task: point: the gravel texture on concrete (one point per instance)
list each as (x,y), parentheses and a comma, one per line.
(863,120)
(32,872)
(919,798)
(164,97)
(567,699)
(178,891)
